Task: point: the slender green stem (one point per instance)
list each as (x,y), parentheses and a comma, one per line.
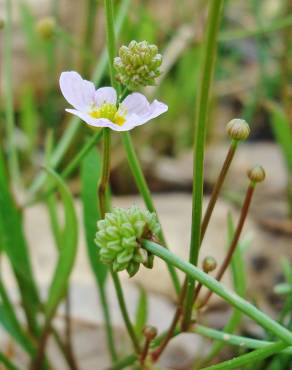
(145,192)
(105,172)
(234,340)
(111,40)
(251,357)
(234,242)
(108,326)
(219,289)
(89,35)
(68,333)
(208,64)
(110,35)
(125,313)
(13,164)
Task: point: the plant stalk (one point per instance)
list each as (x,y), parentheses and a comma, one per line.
(205,223)
(124,312)
(145,192)
(105,172)
(217,187)
(234,242)
(202,114)
(232,298)
(13,163)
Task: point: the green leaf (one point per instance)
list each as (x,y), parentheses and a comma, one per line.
(15,246)
(9,321)
(90,174)
(282,132)
(29,28)
(68,251)
(29,117)
(141,313)
(7,363)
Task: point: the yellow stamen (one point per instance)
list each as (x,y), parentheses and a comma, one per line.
(119,120)
(110,112)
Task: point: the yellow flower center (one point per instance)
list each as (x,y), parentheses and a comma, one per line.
(109,111)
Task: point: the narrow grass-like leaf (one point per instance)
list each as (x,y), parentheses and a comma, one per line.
(251,357)
(68,251)
(29,117)
(7,363)
(141,313)
(90,174)
(15,246)
(10,322)
(29,28)
(282,132)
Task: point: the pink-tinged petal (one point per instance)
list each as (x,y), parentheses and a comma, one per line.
(135,103)
(96,122)
(155,109)
(78,92)
(105,95)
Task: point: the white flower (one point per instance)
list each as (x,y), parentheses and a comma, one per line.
(99,107)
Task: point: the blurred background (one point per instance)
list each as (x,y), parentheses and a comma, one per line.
(253,81)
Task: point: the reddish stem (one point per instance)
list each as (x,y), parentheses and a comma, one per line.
(234,242)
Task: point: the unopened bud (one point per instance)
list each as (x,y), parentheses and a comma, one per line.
(46,27)
(149,332)
(238,129)
(209,264)
(256,174)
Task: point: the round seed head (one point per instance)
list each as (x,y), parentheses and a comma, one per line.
(138,64)
(46,27)
(238,129)
(256,174)
(209,264)
(119,237)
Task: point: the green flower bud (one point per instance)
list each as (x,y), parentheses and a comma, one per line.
(256,174)
(138,64)
(119,237)
(46,27)
(238,129)
(209,264)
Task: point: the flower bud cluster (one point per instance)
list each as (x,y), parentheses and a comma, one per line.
(138,64)
(119,238)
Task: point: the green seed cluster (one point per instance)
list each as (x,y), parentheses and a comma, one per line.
(138,64)
(119,238)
